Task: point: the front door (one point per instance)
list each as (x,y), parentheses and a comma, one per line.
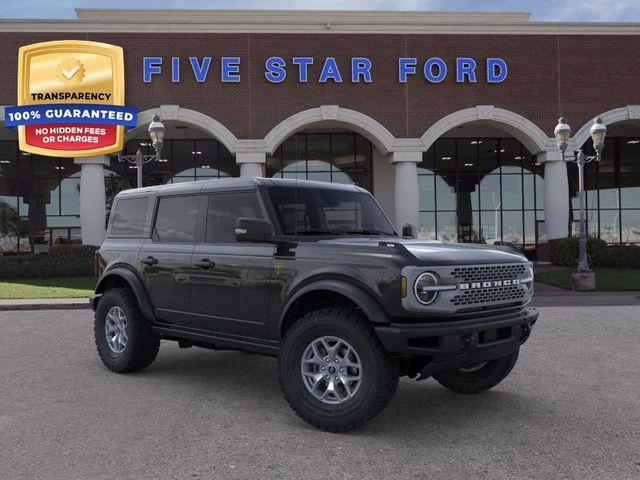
(165,259)
(230,281)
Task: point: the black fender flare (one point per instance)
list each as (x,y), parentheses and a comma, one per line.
(364,300)
(136,285)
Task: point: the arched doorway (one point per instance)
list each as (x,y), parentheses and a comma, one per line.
(333,144)
(479,184)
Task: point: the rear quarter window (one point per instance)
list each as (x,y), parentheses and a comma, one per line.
(129,218)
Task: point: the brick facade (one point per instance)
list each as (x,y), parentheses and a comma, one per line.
(574,75)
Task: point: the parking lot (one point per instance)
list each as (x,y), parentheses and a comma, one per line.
(570,409)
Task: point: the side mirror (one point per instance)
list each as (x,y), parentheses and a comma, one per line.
(407,230)
(253,230)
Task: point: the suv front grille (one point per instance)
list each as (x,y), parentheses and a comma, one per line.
(481,273)
(490,295)
(477,275)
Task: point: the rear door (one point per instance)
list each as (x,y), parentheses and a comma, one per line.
(230,281)
(165,258)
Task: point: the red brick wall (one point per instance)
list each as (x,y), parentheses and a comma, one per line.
(578,76)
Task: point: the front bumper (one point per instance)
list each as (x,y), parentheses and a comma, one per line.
(457,344)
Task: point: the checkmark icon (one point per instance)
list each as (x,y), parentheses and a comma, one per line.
(71,73)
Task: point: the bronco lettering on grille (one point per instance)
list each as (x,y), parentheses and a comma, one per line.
(488,284)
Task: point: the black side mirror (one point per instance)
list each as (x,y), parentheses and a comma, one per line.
(407,230)
(253,230)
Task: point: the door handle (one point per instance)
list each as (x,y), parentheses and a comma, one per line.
(149,260)
(205,263)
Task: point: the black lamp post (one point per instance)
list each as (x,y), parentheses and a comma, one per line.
(562,133)
(156,133)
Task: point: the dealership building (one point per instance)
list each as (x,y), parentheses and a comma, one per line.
(447,118)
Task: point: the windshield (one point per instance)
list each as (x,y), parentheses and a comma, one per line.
(323,211)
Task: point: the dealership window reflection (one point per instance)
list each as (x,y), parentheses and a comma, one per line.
(327,157)
(480,190)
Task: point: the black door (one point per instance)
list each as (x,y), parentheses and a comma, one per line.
(230,281)
(166,257)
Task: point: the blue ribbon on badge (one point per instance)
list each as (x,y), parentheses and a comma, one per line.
(70,113)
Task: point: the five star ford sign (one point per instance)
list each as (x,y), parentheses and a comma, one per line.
(70,99)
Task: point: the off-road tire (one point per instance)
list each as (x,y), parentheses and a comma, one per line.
(379,372)
(142,345)
(478,381)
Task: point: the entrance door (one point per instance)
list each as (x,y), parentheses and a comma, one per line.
(230,281)
(166,257)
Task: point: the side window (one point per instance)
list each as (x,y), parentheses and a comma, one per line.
(129,217)
(224,210)
(176,219)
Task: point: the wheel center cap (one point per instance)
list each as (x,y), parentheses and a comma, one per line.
(332,370)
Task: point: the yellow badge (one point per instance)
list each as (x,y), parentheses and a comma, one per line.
(83,82)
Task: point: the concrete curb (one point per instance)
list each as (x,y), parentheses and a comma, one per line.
(44,304)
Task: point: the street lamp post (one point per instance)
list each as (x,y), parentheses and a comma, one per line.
(156,133)
(562,133)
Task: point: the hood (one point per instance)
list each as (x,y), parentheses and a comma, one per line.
(437,253)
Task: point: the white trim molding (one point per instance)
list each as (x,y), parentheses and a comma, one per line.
(373,130)
(192,117)
(312,21)
(622,114)
(531,136)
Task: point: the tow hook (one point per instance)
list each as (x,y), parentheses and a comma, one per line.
(466,342)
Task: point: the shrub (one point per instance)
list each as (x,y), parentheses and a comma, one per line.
(61,261)
(564,252)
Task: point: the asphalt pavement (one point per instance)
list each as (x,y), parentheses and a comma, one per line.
(570,409)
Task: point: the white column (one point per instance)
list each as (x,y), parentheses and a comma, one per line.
(93,210)
(251,163)
(406,189)
(556,194)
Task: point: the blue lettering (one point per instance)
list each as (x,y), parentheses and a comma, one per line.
(406,66)
(151,66)
(330,71)
(230,69)
(200,71)
(275,69)
(303,64)
(465,67)
(360,67)
(496,70)
(175,69)
(428,70)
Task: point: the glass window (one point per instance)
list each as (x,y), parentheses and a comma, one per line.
(512,192)
(445,194)
(326,157)
(426,187)
(128,217)
(318,211)
(630,190)
(630,226)
(447,226)
(427,228)
(609,225)
(176,219)
(512,229)
(223,211)
(445,156)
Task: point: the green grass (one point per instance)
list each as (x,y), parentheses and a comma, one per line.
(69,287)
(607,279)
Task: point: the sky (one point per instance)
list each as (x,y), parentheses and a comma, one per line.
(542,10)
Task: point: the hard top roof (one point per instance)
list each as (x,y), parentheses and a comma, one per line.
(235,183)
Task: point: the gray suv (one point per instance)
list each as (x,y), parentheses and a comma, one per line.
(314,274)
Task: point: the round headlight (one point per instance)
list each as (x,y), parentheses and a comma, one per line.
(423,288)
